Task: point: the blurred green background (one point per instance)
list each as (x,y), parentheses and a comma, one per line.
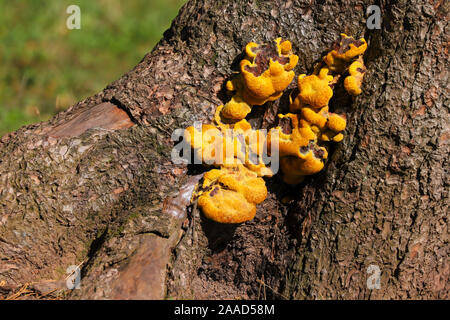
(45,67)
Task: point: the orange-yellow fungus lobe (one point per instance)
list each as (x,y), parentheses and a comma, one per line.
(344,51)
(314,91)
(231,194)
(292,135)
(236,108)
(353,82)
(311,162)
(336,122)
(318,119)
(266,71)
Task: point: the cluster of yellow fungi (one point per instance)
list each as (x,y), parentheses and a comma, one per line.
(230,193)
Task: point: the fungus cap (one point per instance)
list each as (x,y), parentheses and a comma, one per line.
(232,194)
(314,91)
(266,71)
(353,82)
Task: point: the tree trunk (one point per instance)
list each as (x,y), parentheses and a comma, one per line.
(95,185)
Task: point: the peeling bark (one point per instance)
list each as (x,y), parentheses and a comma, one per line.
(95,186)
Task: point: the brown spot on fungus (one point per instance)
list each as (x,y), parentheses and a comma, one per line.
(343,45)
(264,53)
(318,153)
(304,150)
(286,125)
(214,191)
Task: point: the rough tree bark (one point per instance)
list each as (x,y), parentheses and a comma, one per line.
(95,186)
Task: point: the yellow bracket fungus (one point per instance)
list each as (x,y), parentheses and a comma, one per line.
(313,123)
(218,147)
(315,91)
(236,108)
(266,72)
(291,137)
(215,147)
(353,82)
(300,154)
(344,51)
(311,162)
(230,193)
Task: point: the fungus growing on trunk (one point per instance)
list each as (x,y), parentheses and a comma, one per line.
(266,71)
(353,82)
(230,194)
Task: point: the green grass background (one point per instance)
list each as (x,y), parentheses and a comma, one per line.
(45,67)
